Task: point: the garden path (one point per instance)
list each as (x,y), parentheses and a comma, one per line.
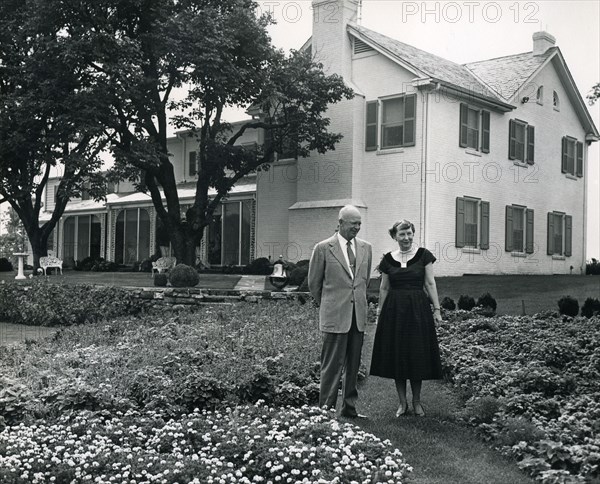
(440,448)
(15,333)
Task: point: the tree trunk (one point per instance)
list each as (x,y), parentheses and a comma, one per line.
(39,246)
(184,245)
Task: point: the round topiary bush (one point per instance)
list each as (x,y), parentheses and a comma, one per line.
(302,262)
(568,306)
(298,275)
(466,302)
(160,280)
(487,301)
(5,265)
(183,276)
(590,307)
(260,267)
(448,303)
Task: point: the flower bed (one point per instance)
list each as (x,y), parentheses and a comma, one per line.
(532,384)
(241,445)
(176,362)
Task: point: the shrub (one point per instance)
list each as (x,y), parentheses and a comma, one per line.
(160,280)
(302,263)
(47,304)
(5,265)
(102,265)
(298,275)
(519,429)
(261,267)
(590,307)
(146,265)
(466,303)
(304,286)
(592,267)
(482,410)
(568,306)
(183,276)
(487,301)
(448,303)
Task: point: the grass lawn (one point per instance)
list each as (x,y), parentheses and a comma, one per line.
(537,293)
(133,279)
(441,450)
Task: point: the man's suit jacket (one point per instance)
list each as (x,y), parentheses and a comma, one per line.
(331,284)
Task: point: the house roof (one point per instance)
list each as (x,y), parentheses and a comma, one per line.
(494,81)
(426,65)
(507,74)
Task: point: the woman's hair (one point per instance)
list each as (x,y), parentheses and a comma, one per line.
(401,225)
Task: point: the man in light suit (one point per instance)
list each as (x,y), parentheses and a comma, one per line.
(338,277)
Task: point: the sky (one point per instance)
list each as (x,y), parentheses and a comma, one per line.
(468,31)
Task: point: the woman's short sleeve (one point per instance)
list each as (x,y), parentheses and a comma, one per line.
(428,257)
(384,266)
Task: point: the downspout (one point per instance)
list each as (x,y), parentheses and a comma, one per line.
(585,217)
(424,152)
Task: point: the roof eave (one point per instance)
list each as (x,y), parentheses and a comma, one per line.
(478,97)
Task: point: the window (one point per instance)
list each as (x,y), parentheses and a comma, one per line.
(391,123)
(539,97)
(555,101)
(519,229)
(521,141)
(132,236)
(572,156)
(559,233)
(192,164)
(472,223)
(474,128)
(81,238)
(228,234)
(287,147)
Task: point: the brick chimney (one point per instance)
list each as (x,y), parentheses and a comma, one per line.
(330,41)
(542,41)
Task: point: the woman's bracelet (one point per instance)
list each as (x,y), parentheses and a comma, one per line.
(436,309)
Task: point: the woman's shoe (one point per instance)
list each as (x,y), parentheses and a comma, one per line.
(418,408)
(402,410)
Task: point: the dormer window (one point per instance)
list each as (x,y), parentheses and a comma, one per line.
(539,97)
(555,101)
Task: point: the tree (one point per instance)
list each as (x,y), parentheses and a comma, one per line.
(221,52)
(594,94)
(49,116)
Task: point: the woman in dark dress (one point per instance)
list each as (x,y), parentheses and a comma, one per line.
(406,346)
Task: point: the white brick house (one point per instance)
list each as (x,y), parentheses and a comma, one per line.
(488,159)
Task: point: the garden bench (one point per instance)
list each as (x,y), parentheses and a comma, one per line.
(163,264)
(50,261)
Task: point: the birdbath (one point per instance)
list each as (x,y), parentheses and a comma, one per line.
(21,256)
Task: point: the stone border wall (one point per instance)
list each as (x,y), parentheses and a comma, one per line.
(163,297)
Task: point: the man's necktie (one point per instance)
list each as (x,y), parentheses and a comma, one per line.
(351,257)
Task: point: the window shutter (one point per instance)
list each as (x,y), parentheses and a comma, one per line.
(462,131)
(460,222)
(50,197)
(512,142)
(485,225)
(410,108)
(530,144)
(564,166)
(568,233)
(579,170)
(529,231)
(550,235)
(371,125)
(508,235)
(192,164)
(485,121)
